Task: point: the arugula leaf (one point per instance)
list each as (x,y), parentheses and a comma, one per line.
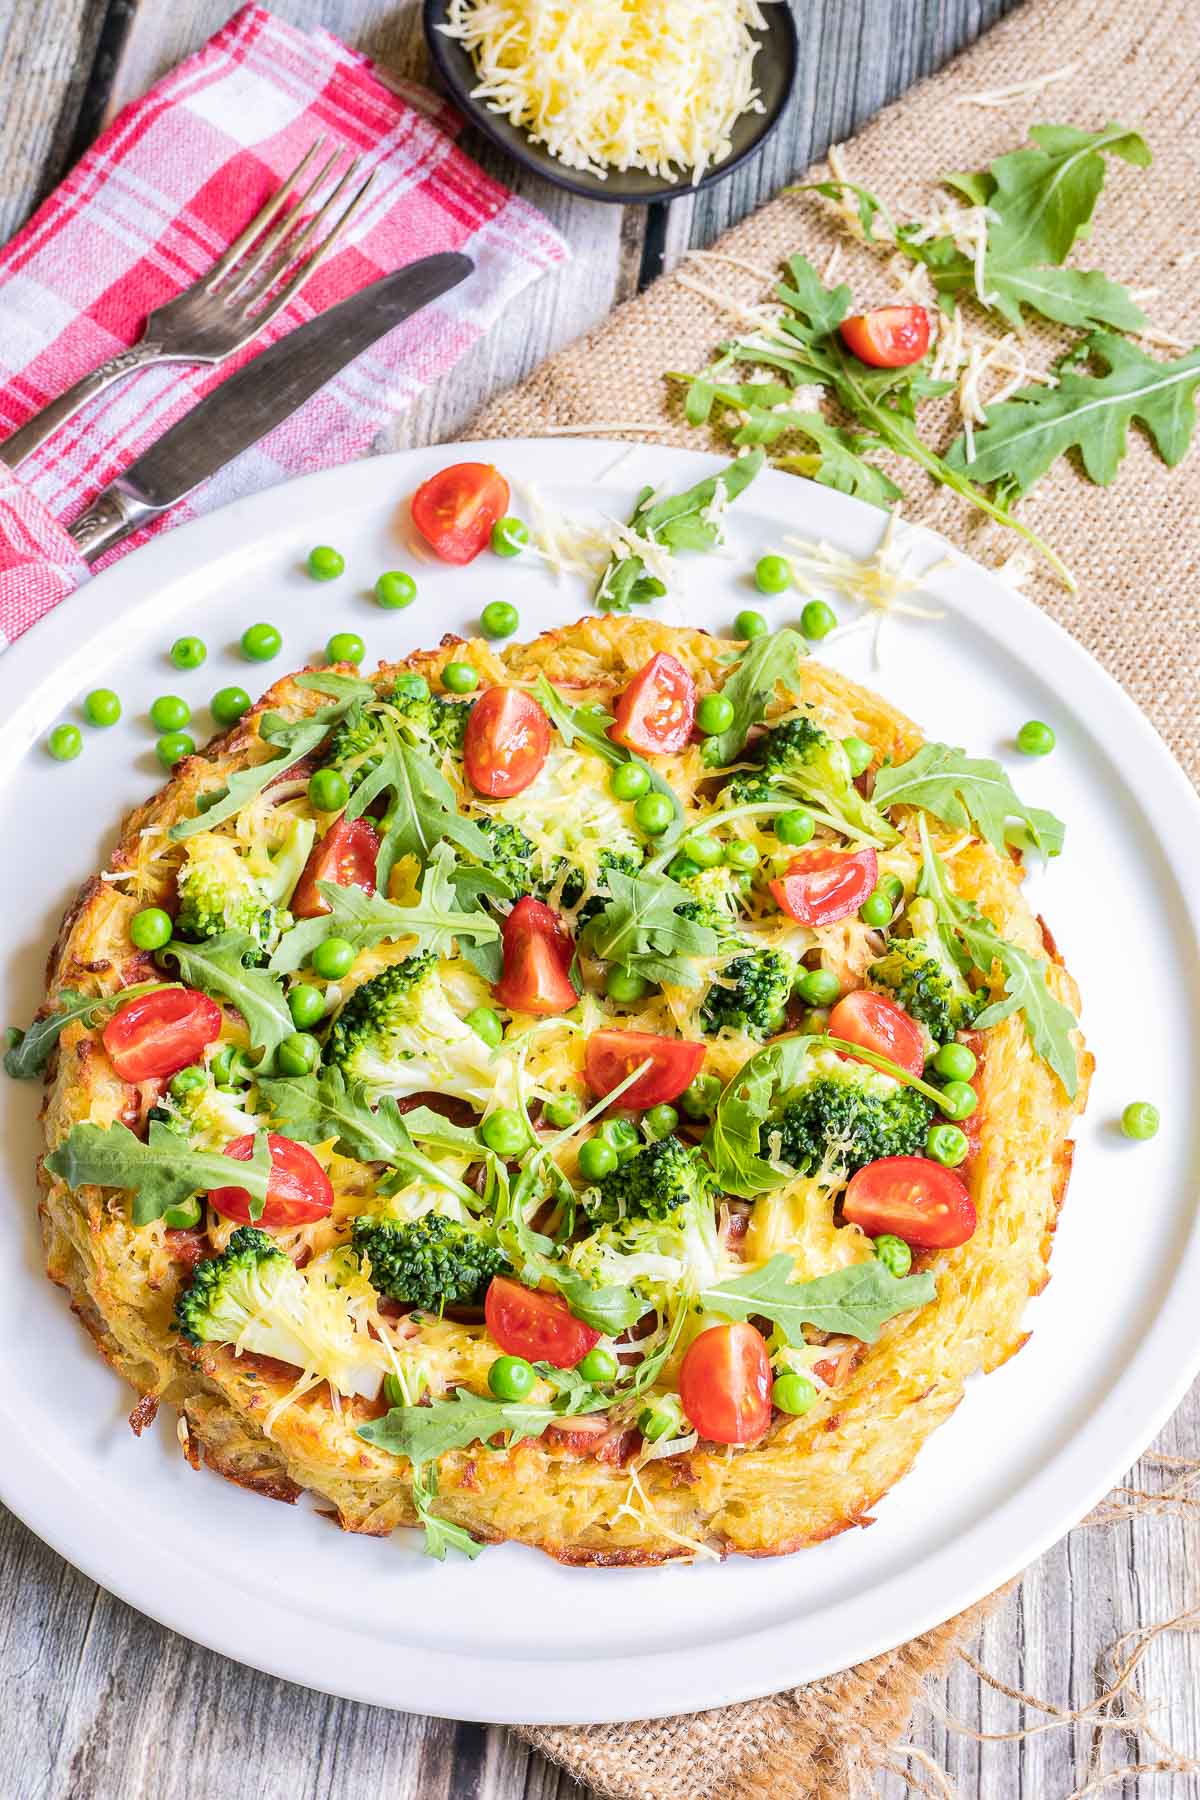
(423,812)
(971,793)
(294,737)
(30,1051)
(678,523)
(1048,1022)
(607,1309)
(733,1141)
(580,724)
(767,664)
(765,417)
(1082,298)
(425,1433)
(218,966)
(342,687)
(1043,197)
(854,1302)
(1087,412)
(161,1173)
(440,1534)
(639,929)
(870,207)
(366,919)
(314,1108)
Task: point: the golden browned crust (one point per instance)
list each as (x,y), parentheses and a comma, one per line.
(814,1476)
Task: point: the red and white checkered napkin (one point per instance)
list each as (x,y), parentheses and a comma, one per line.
(154,203)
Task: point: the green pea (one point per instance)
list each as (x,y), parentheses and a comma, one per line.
(955,1062)
(151,928)
(345,646)
(261,642)
(328,790)
(185,1216)
(860,754)
(395,588)
(682,868)
(325,563)
(698,1100)
(334,958)
(102,707)
(749,625)
(623,986)
(596,1159)
(562,1112)
(173,746)
(188,652)
(1140,1120)
(598,1365)
(509,537)
(298,1054)
(498,619)
(817,620)
(230,1068)
(654,813)
(629,781)
(740,853)
(795,827)
(710,753)
(1035,739)
(622,1136)
(772,574)
(818,987)
(460,678)
(892,886)
(947,1144)
(893,1253)
(714,714)
(187,1081)
(306,1005)
(393,1391)
(169,713)
(511,1378)
(486,1024)
(876,910)
(792,1392)
(505,1132)
(959,1100)
(228,704)
(661,1120)
(705,852)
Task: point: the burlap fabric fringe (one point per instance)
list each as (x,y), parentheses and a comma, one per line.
(1134,550)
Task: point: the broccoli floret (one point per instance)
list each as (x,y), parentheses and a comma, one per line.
(664,1259)
(651,1185)
(923,977)
(208,1116)
(799,760)
(512,854)
(751,994)
(431,1262)
(841,1120)
(279,869)
(423,717)
(251,1280)
(448,723)
(219,892)
(399,1034)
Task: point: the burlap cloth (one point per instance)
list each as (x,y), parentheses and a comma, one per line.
(1134,550)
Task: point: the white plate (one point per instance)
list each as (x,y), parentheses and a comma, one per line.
(513,1636)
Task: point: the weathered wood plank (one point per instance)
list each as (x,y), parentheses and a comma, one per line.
(45,56)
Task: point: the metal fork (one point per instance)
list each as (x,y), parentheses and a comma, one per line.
(216,315)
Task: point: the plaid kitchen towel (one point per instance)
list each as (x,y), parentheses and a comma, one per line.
(152,205)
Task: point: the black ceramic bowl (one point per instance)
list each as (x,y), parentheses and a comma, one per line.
(774,73)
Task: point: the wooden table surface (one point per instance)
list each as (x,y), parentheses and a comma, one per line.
(97,1702)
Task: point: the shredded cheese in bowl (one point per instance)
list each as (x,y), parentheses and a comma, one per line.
(617,84)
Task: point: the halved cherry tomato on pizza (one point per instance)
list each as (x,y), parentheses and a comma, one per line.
(822,886)
(725,1384)
(155,1035)
(913,1198)
(346,855)
(612,1056)
(506,742)
(298,1189)
(455,509)
(656,712)
(891,337)
(878,1024)
(539,1327)
(538,953)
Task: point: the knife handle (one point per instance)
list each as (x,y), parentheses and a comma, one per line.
(112,515)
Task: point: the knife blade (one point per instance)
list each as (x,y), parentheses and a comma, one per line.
(260,395)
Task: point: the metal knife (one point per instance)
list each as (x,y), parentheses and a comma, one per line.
(261,394)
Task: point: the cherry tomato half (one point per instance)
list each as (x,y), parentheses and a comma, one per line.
(611,1056)
(158,1034)
(539,1327)
(822,886)
(725,1384)
(506,742)
(298,1189)
(538,953)
(455,509)
(878,1024)
(346,855)
(656,712)
(891,337)
(915,1199)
